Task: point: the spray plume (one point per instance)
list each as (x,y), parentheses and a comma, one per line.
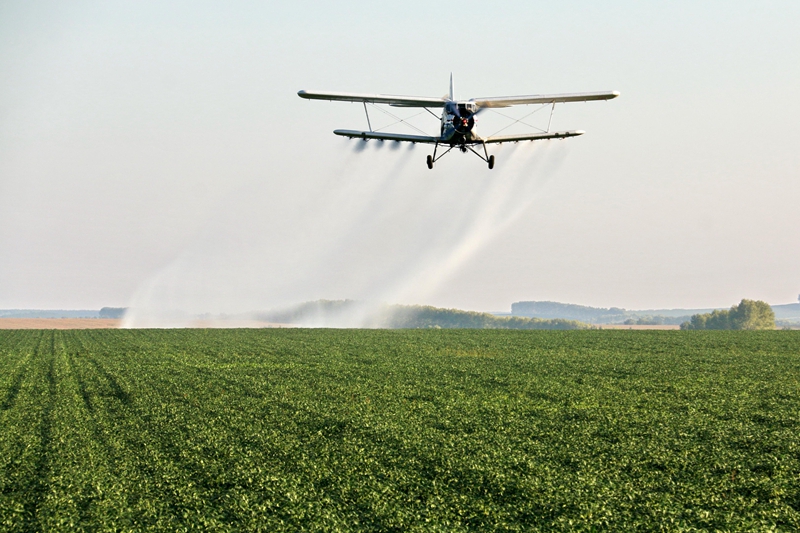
(379,227)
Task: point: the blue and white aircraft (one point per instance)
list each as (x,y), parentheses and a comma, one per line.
(458,118)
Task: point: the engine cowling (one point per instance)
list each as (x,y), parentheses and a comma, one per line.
(460,116)
(464,119)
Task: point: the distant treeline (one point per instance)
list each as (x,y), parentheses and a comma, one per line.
(749,314)
(349,313)
(112,312)
(415,316)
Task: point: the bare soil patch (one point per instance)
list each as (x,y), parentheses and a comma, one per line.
(59,323)
(105,323)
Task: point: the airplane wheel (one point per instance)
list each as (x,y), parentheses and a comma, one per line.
(491,162)
(430,162)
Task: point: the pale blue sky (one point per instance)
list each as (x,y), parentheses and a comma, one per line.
(144,144)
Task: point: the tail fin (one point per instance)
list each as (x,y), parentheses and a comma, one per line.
(452,92)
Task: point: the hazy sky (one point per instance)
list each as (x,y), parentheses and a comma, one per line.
(156,154)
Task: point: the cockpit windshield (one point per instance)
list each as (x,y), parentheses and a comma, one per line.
(461,109)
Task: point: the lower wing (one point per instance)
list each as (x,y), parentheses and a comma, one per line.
(532,136)
(355,134)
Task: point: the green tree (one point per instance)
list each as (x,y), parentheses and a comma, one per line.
(749,314)
(719,319)
(752,314)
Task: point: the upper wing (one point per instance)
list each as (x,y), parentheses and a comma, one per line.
(404,101)
(506,101)
(355,134)
(532,136)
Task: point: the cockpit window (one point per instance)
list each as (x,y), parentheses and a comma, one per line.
(461,109)
(466,108)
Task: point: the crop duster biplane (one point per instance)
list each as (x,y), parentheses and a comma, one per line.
(458,118)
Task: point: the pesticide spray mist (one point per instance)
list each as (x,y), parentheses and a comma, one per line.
(378,228)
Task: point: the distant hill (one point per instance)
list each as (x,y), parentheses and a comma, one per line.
(49,313)
(787,311)
(112,312)
(105,312)
(601,315)
(618,315)
(583,313)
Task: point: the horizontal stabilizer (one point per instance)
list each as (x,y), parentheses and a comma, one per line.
(355,134)
(533,136)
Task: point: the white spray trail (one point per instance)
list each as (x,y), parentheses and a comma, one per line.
(378,228)
(506,196)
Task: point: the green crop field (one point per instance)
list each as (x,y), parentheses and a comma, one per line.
(415,430)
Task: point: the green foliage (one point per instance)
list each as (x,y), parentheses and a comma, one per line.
(749,314)
(717,319)
(752,314)
(336,312)
(404,430)
(415,316)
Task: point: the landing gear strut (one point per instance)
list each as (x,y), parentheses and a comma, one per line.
(431,159)
(486,157)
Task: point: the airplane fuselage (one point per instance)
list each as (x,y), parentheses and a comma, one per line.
(458,123)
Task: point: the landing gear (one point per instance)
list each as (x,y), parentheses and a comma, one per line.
(432,158)
(464,147)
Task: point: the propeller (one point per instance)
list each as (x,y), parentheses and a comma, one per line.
(463,125)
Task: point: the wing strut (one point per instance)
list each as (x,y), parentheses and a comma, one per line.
(367,113)
(522,119)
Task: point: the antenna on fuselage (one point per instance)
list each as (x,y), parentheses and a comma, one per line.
(452,92)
